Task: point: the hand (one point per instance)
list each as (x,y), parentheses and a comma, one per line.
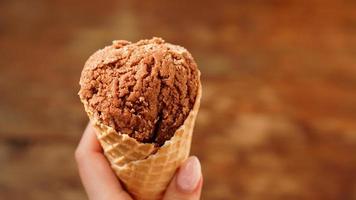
(100,182)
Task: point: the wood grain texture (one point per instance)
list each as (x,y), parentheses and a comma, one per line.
(277,119)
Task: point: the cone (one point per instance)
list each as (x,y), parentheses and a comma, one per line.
(146,170)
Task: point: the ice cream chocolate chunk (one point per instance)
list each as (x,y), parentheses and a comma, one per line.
(144,89)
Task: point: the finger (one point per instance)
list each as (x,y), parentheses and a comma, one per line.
(98,178)
(89,141)
(187,183)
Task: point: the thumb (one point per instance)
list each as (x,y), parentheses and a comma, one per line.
(187,183)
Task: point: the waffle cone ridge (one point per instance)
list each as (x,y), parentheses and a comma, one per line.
(144,169)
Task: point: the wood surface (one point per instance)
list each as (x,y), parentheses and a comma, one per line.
(278,113)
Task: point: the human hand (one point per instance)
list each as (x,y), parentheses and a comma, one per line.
(100,182)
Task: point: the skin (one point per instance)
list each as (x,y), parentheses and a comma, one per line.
(100,182)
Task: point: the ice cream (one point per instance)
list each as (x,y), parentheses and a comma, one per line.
(143,99)
(144,89)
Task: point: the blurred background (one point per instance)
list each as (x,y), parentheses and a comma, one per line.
(278,114)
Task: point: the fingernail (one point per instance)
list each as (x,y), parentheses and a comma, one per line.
(189,175)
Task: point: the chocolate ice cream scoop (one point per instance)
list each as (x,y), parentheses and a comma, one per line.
(144,89)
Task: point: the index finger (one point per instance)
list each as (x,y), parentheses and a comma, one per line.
(89,142)
(95,172)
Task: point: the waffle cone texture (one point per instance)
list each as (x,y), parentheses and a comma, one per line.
(144,169)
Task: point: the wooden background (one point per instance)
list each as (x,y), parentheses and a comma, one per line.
(278,114)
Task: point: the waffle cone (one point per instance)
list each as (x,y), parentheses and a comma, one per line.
(146,170)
